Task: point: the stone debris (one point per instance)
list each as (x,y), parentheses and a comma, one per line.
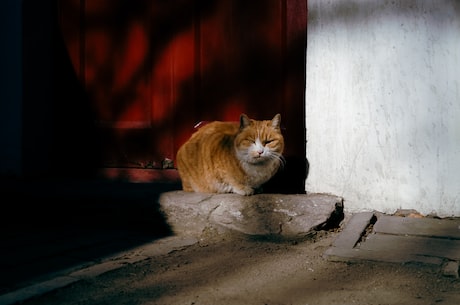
(450,269)
(408,213)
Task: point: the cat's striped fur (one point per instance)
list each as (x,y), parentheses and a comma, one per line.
(231,157)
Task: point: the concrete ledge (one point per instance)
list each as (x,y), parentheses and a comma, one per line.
(287,216)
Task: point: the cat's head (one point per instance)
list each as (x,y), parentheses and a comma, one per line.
(259,140)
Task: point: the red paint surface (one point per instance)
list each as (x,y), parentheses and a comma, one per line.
(153,69)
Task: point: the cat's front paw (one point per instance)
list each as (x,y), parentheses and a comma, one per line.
(246,191)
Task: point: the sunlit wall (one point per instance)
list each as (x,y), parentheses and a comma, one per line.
(383,104)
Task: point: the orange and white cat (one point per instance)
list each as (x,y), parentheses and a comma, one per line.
(231,157)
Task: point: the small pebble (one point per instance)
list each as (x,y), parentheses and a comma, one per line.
(450,269)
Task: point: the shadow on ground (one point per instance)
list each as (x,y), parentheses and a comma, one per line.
(50,227)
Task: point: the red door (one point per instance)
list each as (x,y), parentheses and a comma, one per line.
(153,69)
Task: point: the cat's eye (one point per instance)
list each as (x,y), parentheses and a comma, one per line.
(268,142)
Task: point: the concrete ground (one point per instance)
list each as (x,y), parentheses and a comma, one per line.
(63,235)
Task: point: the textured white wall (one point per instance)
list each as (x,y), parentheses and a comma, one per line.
(383,104)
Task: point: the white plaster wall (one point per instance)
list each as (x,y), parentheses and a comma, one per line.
(383,104)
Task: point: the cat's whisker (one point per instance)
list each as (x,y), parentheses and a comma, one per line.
(280,157)
(283,161)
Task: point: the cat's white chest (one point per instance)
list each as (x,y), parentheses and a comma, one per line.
(258,174)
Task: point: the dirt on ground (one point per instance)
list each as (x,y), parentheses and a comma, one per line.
(236,269)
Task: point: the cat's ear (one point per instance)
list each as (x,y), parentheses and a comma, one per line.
(276,121)
(245,121)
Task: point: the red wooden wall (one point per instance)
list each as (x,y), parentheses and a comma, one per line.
(152,69)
